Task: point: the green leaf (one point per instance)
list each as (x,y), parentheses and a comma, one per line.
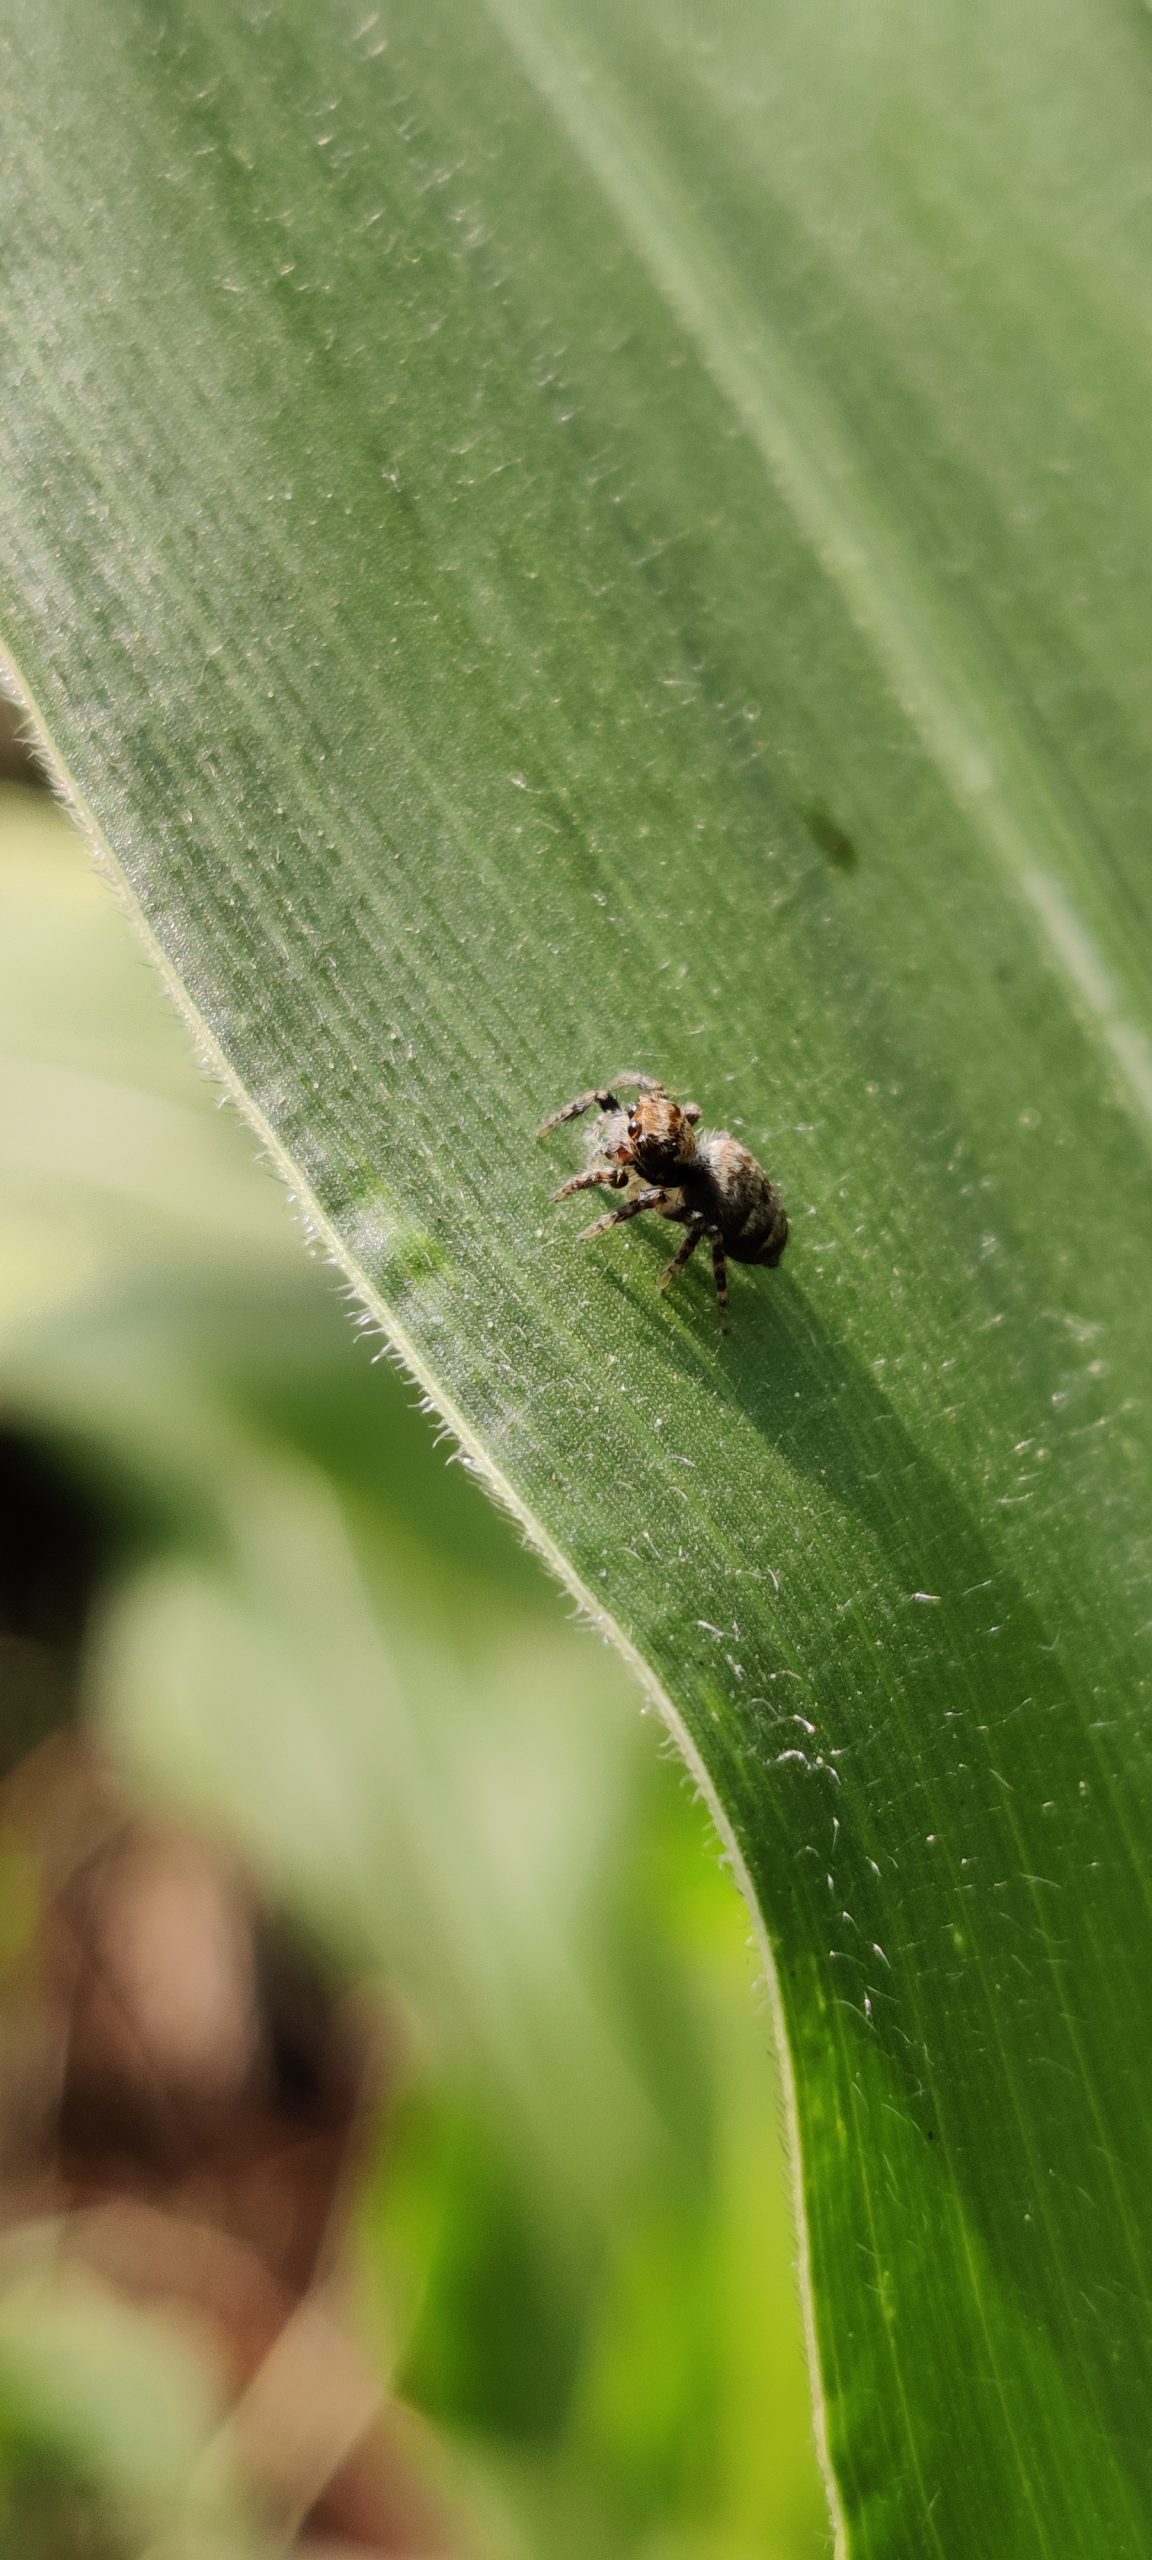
(322,1639)
(553,540)
(99,2395)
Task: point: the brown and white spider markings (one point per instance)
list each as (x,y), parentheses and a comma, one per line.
(702,1179)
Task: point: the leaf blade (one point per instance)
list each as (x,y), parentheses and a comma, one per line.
(517,830)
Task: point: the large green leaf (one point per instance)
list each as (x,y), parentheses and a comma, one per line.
(317,1633)
(552,539)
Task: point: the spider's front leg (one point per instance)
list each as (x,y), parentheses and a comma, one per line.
(607,1176)
(655,1198)
(604,1097)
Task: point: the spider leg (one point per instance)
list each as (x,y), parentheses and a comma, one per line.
(604,1100)
(653,1199)
(686,1251)
(614,1177)
(604,1097)
(720,1268)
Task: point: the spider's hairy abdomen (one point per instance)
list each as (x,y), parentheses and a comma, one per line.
(748,1208)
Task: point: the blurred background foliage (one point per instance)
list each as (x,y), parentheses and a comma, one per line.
(313,1634)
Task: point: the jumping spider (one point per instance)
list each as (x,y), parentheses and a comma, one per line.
(704,1181)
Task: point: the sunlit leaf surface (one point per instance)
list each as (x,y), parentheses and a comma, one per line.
(549,540)
(573,2251)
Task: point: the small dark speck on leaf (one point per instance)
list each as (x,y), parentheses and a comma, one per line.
(831,840)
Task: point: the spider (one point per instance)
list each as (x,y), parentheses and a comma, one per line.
(707,1183)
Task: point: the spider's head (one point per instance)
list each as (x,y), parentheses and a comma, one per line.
(660,1137)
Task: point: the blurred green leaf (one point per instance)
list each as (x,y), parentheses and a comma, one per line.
(321,1635)
(497,503)
(112,2440)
